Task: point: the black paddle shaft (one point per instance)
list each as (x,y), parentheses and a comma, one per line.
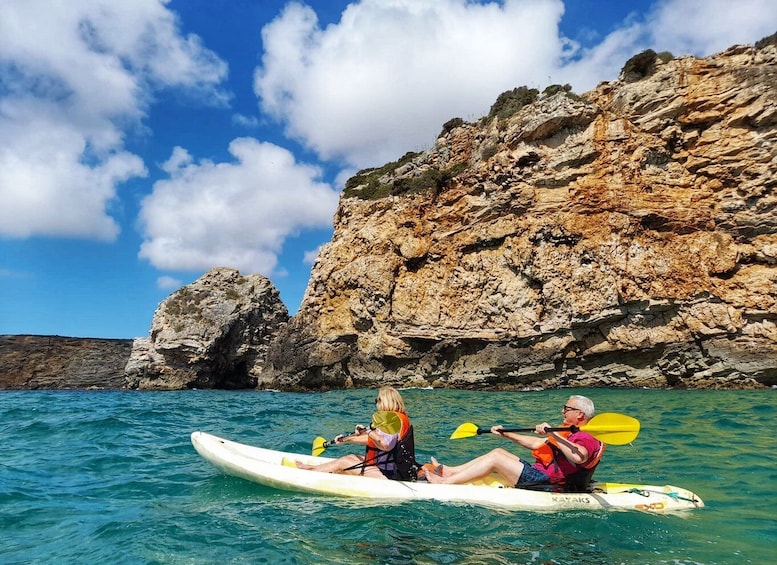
(572,429)
(331,442)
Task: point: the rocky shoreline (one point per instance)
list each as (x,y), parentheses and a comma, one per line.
(30,362)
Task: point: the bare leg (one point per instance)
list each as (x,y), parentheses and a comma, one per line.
(335,466)
(498,460)
(342,465)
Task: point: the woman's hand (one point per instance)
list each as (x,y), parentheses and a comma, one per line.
(497,429)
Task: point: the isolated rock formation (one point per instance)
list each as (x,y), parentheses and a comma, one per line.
(212,333)
(627,237)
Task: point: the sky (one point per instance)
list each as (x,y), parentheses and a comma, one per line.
(144,142)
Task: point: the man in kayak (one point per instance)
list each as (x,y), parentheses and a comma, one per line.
(560,457)
(387,456)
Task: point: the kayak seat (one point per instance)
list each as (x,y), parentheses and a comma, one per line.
(580,481)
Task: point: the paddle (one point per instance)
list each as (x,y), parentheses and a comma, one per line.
(320,444)
(387,422)
(615,429)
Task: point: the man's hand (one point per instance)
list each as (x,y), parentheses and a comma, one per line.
(540,430)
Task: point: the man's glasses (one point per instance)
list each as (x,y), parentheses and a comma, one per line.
(566,409)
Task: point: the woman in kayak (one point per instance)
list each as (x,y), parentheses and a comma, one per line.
(387,455)
(560,457)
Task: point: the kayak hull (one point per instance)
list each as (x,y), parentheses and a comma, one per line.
(272,469)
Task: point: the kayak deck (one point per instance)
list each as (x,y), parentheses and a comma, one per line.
(272,468)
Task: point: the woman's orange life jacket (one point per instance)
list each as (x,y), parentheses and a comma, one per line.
(399,463)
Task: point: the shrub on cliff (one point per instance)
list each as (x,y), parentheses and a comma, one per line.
(366,185)
(643,65)
(768,40)
(430,179)
(450,125)
(510,101)
(556,88)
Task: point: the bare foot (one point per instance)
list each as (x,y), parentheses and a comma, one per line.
(302,465)
(434,478)
(438,467)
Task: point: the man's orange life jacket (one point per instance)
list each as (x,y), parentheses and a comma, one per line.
(548,452)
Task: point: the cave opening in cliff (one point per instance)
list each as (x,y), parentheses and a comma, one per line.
(236,378)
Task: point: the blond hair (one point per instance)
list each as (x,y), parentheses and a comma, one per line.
(390,400)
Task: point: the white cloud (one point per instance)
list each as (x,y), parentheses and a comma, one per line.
(384,79)
(234,214)
(248,122)
(704,27)
(46,185)
(311,256)
(72,76)
(166,282)
(178,160)
(605,60)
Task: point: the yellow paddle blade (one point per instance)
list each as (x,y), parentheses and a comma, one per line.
(319,446)
(467,429)
(388,422)
(615,429)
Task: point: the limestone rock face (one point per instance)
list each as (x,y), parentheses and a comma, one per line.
(30,362)
(627,237)
(212,333)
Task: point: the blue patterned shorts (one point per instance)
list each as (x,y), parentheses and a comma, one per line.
(531,476)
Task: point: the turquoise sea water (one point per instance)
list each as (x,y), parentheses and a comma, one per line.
(111,477)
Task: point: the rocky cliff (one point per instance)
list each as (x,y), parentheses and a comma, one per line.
(625,237)
(55,362)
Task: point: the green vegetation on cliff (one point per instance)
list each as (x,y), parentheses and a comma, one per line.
(366,184)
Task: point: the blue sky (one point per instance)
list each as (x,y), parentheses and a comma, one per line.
(143,142)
